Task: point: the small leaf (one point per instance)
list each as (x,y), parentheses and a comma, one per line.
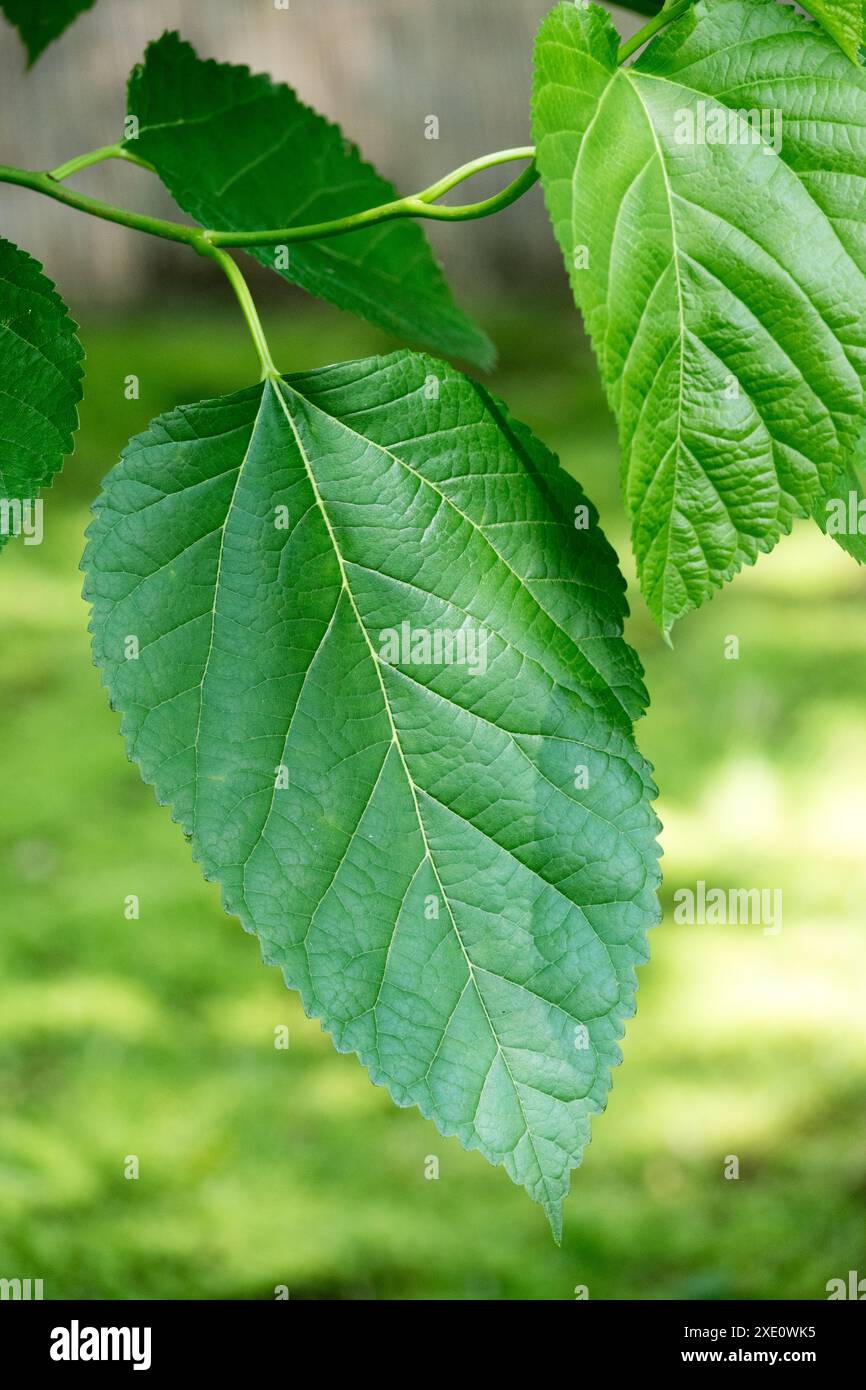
(720,264)
(241,153)
(452,857)
(845,20)
(40,22)
(41,374)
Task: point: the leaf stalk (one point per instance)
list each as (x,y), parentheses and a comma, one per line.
(244,297)
(671,11)
(105,152)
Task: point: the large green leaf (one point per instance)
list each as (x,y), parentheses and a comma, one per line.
(823,106)
(40,383)
(845,20)
(460,873)
(723,284)
(40,22)
(241,153)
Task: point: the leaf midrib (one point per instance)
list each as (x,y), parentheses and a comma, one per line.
(675,257)
(210,645)
(395,739)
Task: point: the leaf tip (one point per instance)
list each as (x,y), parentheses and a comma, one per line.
(553,1212)
(485,355)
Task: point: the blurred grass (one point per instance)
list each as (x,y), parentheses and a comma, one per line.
(262,1167)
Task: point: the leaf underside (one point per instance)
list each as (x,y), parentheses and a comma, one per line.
(40,379)
(723,284)
(241,153)
(451,900)
(40,22)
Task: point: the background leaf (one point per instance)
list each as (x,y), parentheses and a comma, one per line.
(724,291)
(40,22)
(242,153)
(452,896)
(40,378)
(823,106)
(845,20)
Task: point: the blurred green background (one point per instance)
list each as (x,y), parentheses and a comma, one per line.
(261,1167)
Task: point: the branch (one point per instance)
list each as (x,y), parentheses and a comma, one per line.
(211,243)
(417,205)
(84,161)
(49,185)
(424,204)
